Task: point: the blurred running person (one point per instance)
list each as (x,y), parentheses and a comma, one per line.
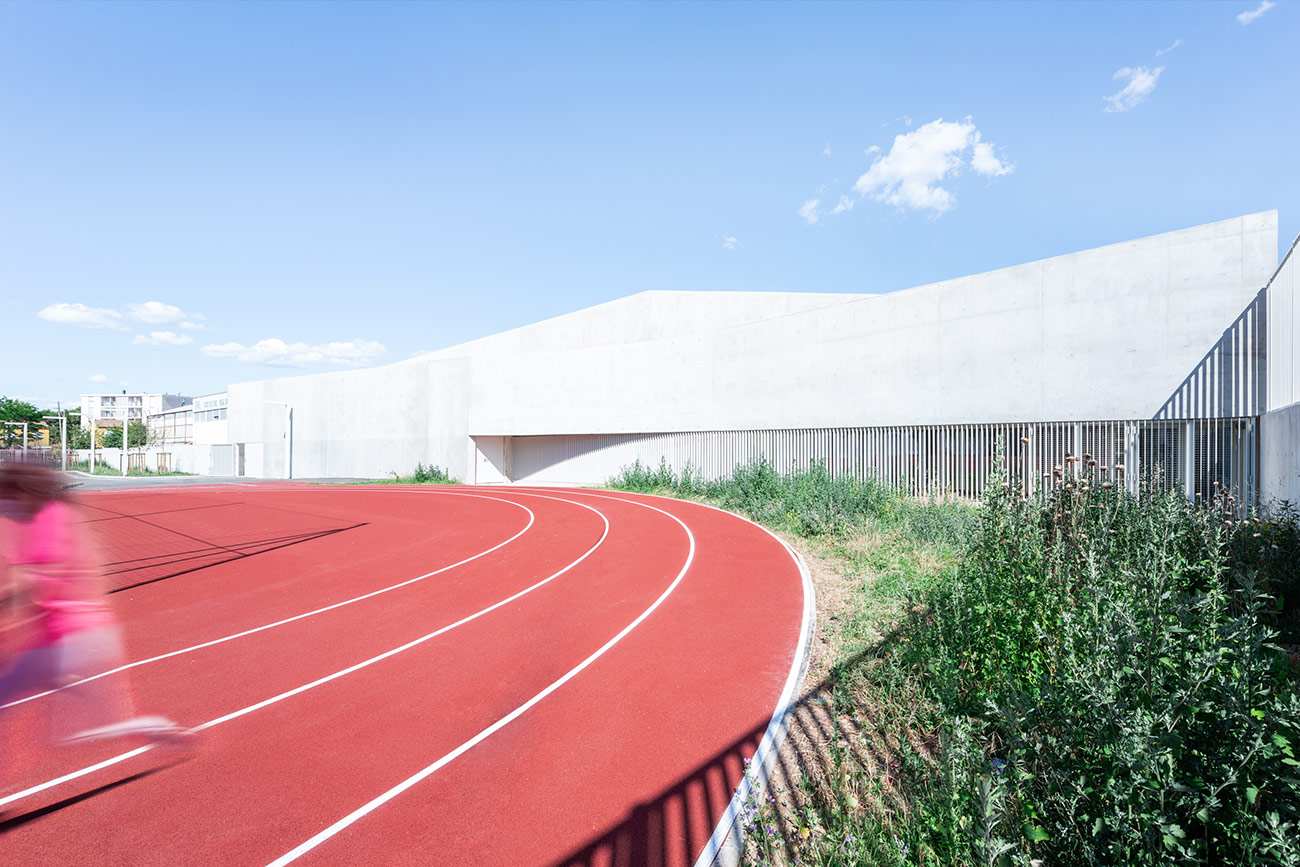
(54,592)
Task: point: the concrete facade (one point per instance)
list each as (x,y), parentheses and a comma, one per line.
(1279,460)
(1167,326)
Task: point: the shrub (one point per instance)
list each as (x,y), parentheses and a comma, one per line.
(1115,657)
(430,475)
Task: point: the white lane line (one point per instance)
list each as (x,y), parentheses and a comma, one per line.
(379,801)
(725,844)
(48,784)
(256,629)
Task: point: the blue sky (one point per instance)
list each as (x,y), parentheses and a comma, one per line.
(197,194)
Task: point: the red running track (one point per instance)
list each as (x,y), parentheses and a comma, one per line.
(391,675)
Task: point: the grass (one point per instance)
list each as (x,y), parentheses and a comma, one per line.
(422,475)
(103,469)
(1087,676)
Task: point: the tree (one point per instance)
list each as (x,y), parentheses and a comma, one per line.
(14,410)
(78,437)
(137,435)
(111,438)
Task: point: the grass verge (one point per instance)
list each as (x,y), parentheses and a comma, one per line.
(103,469)
(430,475)
(1085,676)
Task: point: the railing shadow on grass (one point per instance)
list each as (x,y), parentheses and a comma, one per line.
(821,748)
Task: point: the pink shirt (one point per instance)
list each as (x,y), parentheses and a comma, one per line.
(64,576)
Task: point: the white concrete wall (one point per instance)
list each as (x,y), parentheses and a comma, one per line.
(184,457)
(1109,333)
(358,423)
(1279,465)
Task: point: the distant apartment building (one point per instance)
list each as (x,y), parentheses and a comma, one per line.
(110,410)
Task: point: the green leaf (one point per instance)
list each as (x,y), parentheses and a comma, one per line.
(1035,834)
(1096,827)
(1251,792)
(1257,713)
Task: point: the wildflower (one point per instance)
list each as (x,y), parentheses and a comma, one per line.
(804,832)
(1025,440)
(1119,468)
(1255,535)
(1108,486)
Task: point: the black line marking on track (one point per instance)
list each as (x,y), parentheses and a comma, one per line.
(10,823)
(117,516)
(234,555)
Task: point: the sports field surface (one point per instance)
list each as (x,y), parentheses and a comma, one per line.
(420,675)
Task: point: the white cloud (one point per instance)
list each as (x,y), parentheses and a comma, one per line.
(808,210)
(844,204)
(189,325)
(1177,42)
(984,161)
(97,377)
(275,352)
(81,315)
(163,338)
(1247,17)
(730,242)
(873,150)
(1141,81)
(827,151)
(155,312)
(909,175)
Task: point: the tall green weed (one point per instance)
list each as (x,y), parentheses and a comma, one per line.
(1110,660)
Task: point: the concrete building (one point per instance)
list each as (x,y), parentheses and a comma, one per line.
(172,427)
(110,410)
(1149,351)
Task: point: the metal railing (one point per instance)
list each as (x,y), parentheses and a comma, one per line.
(1198,456)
